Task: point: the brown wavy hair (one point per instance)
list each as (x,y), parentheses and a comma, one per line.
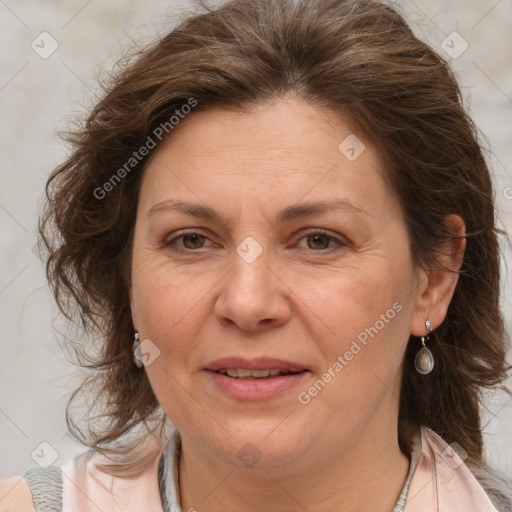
(357,58)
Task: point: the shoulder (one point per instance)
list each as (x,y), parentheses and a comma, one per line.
(15,496)
(35,489)
(496,484)
(442,477)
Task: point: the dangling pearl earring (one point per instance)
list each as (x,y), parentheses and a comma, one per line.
(136,351)
(424,361)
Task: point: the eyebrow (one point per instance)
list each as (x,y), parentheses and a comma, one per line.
(288,214)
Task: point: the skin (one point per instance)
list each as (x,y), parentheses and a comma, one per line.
(303,299)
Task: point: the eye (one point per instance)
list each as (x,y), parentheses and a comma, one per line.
(317,241)
(187,241)
(320,240)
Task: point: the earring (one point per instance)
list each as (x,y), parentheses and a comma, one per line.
(424,361)
(136,351)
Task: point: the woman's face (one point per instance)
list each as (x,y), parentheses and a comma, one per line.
(269,241)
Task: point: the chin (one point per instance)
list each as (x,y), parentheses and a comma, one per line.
(262,448)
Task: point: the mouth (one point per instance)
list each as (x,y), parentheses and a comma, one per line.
(245,374)
(260,378)
(255,368)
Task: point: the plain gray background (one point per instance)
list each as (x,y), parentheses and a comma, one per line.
(39,96)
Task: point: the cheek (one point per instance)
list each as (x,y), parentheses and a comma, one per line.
(363,357)
(356,300)
(159,307)
(163,297)
(168,312)
(367,315)
(170,318)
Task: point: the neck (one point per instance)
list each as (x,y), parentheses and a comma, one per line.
(365,477)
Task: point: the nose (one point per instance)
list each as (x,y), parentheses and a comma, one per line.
(252,296)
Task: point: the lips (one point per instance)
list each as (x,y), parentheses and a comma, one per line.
(241,373)
(260,378)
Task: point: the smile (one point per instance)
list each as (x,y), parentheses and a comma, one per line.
(239,373)
(244,385)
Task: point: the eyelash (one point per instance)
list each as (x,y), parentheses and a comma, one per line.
(170,244)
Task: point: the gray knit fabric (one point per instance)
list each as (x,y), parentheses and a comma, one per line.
(46,487)
(415,457)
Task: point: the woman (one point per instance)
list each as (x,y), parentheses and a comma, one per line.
(279,223)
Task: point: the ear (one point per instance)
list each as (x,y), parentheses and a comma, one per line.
(436,293)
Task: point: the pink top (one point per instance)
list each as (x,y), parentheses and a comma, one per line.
(439,481)
(442,482)
(85,488)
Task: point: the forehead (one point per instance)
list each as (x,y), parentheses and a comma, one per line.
(281,152)
(289,128)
